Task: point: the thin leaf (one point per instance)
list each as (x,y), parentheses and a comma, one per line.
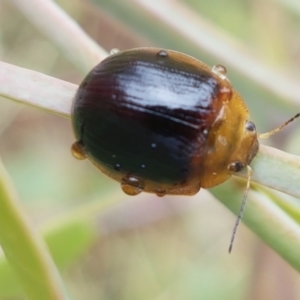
(25,249)
(59,27)
(36,89)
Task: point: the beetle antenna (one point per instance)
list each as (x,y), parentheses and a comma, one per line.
(268,134)
(241,212)
(249,170)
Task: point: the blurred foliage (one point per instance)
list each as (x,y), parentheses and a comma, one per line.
(147,248)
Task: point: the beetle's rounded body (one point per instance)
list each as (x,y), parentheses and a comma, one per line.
(163,122)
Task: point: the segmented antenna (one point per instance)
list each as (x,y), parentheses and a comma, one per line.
(241,212)
(268,134)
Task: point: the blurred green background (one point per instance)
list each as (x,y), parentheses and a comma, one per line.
(147,247)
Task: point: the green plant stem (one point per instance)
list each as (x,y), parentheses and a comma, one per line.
(276,169)
(25,249)
(36,89)
(273,225)
(66,34)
